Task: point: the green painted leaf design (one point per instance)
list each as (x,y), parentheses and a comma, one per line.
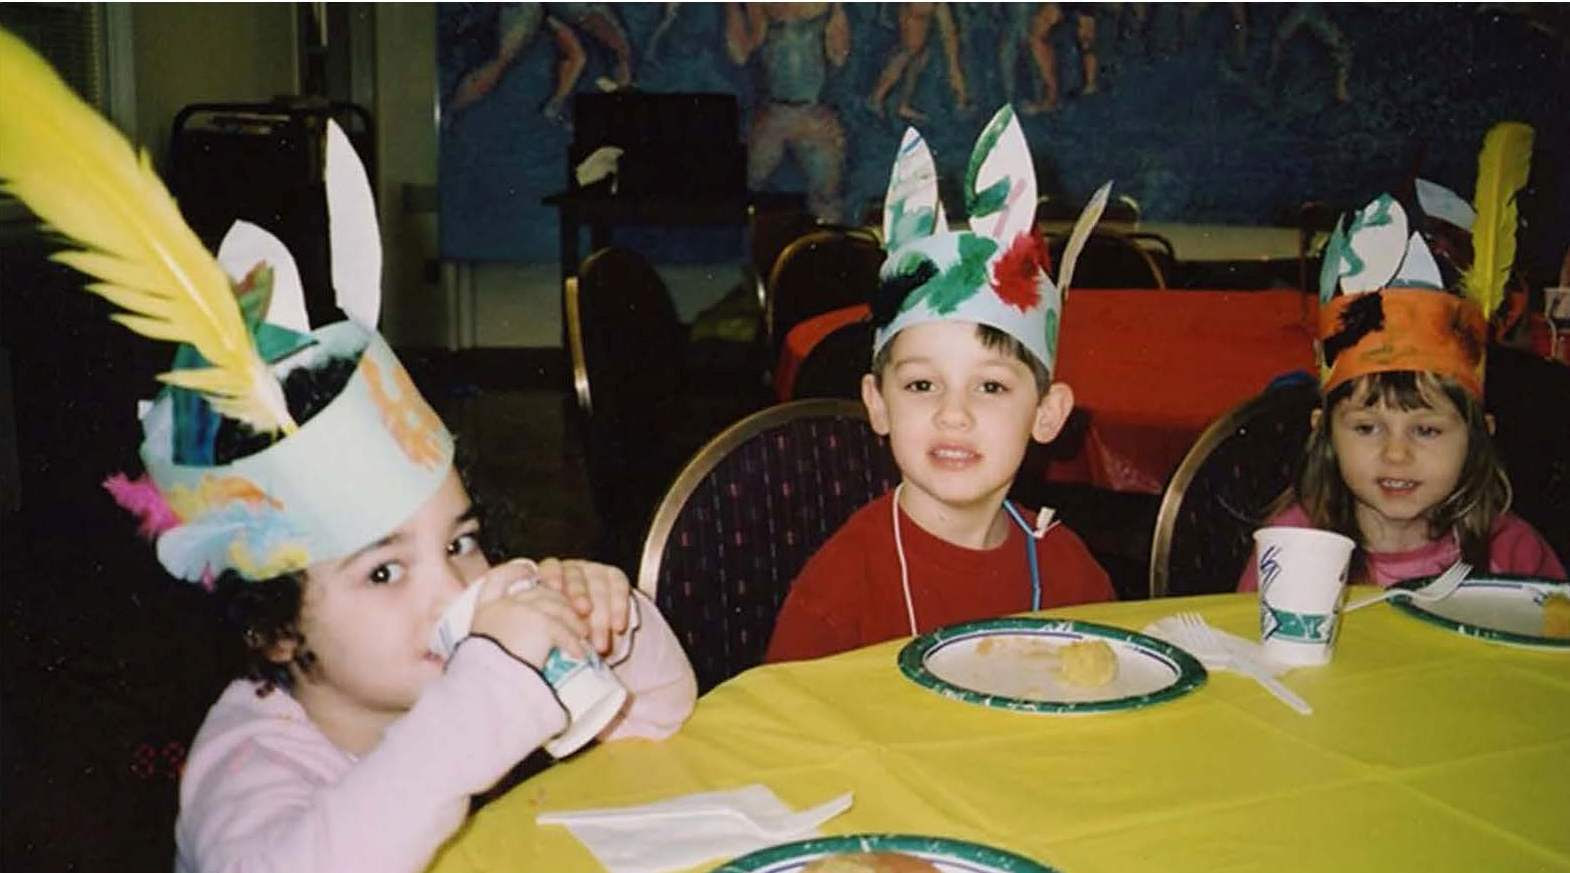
(255,300)
(1051,320)
(961,280)
(906,226)
(990,200)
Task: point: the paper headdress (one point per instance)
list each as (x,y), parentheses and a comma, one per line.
(995,272)
(1388,304)
(326,486)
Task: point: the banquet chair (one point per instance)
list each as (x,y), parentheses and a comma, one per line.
(1222,490)
(826,269)
(626,347)
(835,365)
(1120,209)
(769,232)
(1110,260)
(743,517)
(1529,397)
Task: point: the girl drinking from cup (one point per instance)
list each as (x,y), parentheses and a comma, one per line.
(301,476)
(1400,457)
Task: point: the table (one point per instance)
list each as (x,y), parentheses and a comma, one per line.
(1150,369)
(1427,751)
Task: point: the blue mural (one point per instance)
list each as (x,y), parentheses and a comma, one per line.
(1204,112)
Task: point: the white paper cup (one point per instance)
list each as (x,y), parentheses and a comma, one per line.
(1302,572)
(589,691)
(587,688)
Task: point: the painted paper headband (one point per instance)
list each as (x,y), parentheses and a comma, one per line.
(327,486)
(995,272)
(1399,307)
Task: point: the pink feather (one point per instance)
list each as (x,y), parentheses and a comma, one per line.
(141,498)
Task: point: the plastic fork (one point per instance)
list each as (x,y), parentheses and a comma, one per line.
(1198,633)
(1444,585)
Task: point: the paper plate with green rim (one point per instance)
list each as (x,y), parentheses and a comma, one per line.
(1014,663)
(943,854)
(1496,607)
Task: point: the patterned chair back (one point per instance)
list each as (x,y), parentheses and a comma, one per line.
(823,270)
(1529,397)
(1222,490)
(744,516)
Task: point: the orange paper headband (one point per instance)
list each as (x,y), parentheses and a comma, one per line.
(1402,329)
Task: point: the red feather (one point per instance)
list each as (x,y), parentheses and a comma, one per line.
(1017,274)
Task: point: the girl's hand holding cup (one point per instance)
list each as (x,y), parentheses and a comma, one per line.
(512,607)
(598,593)
(545,615)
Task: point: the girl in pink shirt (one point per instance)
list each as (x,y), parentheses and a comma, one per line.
(1400,455)
(349,745)
(300,475)
(1404,464)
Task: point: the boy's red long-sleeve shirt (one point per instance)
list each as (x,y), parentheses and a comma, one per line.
(849,594)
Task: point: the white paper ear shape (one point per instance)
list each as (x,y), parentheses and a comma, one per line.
(354,245)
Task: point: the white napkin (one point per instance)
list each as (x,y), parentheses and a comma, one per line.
(1167,629)
(683,831)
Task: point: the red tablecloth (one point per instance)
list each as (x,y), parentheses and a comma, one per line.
(1149,369)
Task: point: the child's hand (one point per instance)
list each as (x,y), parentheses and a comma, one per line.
(598,593)
(526,617)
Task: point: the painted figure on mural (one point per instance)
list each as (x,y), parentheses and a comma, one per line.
(1314,19)
(910,58)
(518,24)
(651,54)
(1134,23)
(796,44)
(1031,25)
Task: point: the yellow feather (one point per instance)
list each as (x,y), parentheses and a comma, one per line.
(1502,169)
(81,177)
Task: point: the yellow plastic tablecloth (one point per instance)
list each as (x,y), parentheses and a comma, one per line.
(1427,751)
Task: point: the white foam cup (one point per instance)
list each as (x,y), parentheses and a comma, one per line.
(589,691)
(587,688)
(1302,573)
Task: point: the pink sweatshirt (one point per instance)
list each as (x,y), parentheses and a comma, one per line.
(264,790)
(1514,547)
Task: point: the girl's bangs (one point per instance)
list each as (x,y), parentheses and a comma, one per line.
(1404,390)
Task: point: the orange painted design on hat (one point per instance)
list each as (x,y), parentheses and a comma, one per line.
(215,492)
(1402,329)
(407,416)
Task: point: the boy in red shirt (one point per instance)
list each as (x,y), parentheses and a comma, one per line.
(966,335)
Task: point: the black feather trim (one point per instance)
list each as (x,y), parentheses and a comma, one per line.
(892,290)
(1360,318)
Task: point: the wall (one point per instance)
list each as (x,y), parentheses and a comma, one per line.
(195,52)
(415,310)
(1209,112)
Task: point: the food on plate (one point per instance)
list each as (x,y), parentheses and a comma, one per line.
(871,862)
(1556,616)
(1090,663)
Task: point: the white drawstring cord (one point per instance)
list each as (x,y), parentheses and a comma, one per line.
(904,569)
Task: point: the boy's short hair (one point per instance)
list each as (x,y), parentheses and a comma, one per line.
(991,338)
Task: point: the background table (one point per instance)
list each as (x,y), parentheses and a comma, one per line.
(1427,751)
(1150,369)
